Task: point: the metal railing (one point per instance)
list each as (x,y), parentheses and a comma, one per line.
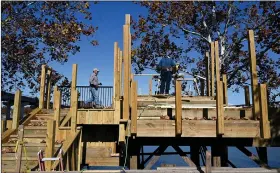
(104,94)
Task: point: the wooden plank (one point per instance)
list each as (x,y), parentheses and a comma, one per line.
(74,82)
(121,72)
(208,164)
(49,73)
(178,114)
(80,153)
(134,108)
(66,119)
(50,140)
(207,73)
(254,77)
(126,73)
(197,128)
(225,89)
(264,123)
(151,87)
(17,108)
(103,161)
(155,158)
(212,45)
(74,108)
(6,135)
(252,156)
(42,87)
(19,149)
(247,95)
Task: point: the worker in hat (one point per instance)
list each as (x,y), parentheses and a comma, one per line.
(93,83)
(165,66)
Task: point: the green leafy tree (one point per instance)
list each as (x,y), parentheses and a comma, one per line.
(36,33)
(178,28)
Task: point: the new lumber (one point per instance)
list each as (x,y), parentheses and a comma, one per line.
(264,123)
(208,82)
(19,149)
(178,114)
(50,140)
(134,108)
(49,73)
(17,108)
(212,47)
(42,87)
(254,77)
(126,72)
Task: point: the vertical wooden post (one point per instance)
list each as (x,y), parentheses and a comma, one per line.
(49,73)
(74,81)
(264,123)
(57,104)
(212,68)
(126,73)
(50,142)
(3,125)
(208,164)
(121,72)
(254,77)
(121,133)
(16,111)
(116,74)
(207,73)
(19,149)
(74,109)
(219,154)
(134,108)
(80,151)
(42,87)
(9,124)
(202,86)
(178,103)
(247,96)
(151,87)
(219,95)
(225,93)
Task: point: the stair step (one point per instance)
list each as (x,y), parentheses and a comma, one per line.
(31,136)
(42,114)
(12,158)
(30,145)
(38,121)
(35,128)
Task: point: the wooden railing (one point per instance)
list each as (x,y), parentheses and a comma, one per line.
(45,87)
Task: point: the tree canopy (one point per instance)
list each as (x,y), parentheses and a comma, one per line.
(36,33)
(178,28)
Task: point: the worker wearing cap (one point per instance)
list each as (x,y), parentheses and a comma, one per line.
(93,82)
(165,66)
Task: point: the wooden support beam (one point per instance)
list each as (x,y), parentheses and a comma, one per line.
(80,151)
(225,88)
(208,164)
(17,108)
(247,96)
(74,109)
(178,103)
(121,72)
(49,73)
(50,140)
(219,94)
(57,105)
(134,108)
(195,154)
(19,148)
(254,77)
(151,87)
(155,158)
(202,87)
(74,81)
(42,87)
(126,73)
(264,123)
(184,157)
(212,45)
(208,83)
(255,158)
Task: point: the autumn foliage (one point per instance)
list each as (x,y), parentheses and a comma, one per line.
(183,30)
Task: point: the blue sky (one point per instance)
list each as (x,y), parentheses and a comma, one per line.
(110,18)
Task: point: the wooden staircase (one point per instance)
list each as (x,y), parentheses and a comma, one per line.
(34,139)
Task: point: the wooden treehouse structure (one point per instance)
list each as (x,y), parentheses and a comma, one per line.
(115,136)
